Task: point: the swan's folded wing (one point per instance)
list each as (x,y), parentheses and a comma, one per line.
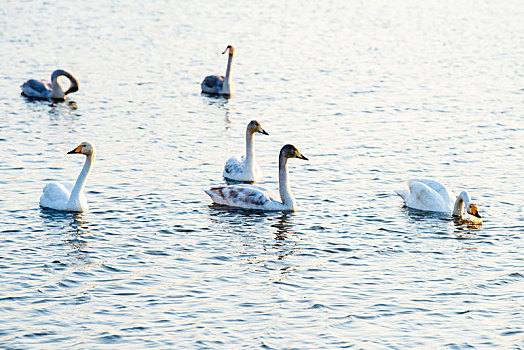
(424,197)
(68,185)
(212,81)
(234,166)
(442,190)
(34,87)
(270,194)
(240,196)
(55,193)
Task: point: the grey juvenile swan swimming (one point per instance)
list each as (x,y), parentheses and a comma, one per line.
(217,84)
(257,197)
(246,168)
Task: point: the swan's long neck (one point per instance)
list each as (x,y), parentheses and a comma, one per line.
(462,199)
(226,88)
(283,184)
(57,90)
(250,152)
(80,182)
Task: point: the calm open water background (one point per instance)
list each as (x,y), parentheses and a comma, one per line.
(373,93)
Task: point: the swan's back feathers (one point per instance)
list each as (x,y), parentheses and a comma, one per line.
(35,88)
(234,168)
(442,190)
(212,84)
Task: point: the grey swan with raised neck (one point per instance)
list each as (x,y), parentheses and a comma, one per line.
(218,84)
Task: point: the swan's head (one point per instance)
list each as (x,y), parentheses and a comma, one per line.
(290,151)
(84,148)
(229,48)
(473,210)
(73,87)
(254,126)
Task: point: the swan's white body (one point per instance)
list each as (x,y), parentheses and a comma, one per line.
(431,195)
(257,197)
(43,89)
(246,168)
(218,84)
(68,196)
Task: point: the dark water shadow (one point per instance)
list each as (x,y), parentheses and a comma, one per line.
(49,101)
(236,182)
(216,208)
(423,215)
(216,97)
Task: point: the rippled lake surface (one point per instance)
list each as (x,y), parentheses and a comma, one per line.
(373,93)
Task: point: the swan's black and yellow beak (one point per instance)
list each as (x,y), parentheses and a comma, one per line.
(475,211)
(300,155)
(229,48)
(78,149)
(262,131)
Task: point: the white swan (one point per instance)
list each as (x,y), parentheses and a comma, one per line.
(43,89)
(217,84)
(257,197)
(66,196)
(431,195)
(246,168)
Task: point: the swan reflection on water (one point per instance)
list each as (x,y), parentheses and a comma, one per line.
(424,216)
(71,227)
(66,222)
(59,110)
(65,109)
(251,227)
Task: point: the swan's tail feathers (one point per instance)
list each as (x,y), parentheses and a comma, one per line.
(402,192)
(215,193)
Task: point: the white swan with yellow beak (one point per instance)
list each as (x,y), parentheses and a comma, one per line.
(431,195)
(69,196)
